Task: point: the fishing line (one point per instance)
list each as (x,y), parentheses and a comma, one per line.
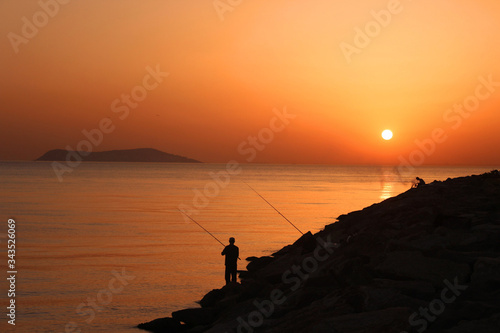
(199,225)
(274,208)
(208,232)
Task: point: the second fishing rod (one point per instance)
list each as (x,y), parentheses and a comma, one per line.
(293,225)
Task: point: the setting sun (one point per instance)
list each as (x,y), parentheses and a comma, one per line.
(387,134)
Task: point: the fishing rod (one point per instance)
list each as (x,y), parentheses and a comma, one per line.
(199,225)
(274,208)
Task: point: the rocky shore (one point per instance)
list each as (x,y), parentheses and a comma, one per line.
(425,260)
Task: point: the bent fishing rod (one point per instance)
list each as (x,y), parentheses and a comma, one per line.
(199,225)
(274,208)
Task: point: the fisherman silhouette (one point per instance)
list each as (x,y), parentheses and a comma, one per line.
(232,253)
(418,183)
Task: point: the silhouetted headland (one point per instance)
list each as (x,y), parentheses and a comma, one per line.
(128,155)
(425,260)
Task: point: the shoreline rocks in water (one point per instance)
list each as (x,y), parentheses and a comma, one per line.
(425,260)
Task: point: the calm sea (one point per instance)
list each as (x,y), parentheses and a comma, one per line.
(107,248)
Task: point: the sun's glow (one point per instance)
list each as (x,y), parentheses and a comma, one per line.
(387,134)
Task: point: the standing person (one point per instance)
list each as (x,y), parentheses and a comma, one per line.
(232,253)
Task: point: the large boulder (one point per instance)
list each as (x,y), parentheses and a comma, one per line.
(212,297)
(258,263)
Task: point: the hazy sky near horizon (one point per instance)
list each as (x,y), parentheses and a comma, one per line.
(346,70)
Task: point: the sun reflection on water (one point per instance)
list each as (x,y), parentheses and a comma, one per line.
(387,190)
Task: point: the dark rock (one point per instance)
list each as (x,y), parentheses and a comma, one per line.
(413,265)
(198,329)
(468,258)
(454,222)
(467,310)
(259,263)
(195,317)
(383,298)
(486,270)
(353,271)
(415,289)
(163,325)
(383,321)
(285,250)
(487,325)
(227,321)
(273,273)
(323,281)
(212,297)
(232,289)
(307,243)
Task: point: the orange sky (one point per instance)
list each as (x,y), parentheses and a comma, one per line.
(226,77)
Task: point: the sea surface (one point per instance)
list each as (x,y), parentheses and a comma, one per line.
(107,248)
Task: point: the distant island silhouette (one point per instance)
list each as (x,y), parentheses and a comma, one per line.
(127,155)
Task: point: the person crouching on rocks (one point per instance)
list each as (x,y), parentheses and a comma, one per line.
(419,182)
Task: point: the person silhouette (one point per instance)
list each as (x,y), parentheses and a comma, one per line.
(232,253)
(419,182)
